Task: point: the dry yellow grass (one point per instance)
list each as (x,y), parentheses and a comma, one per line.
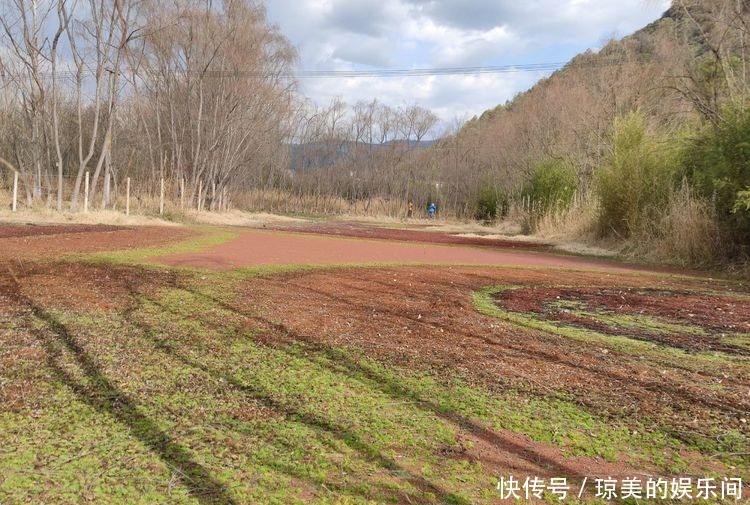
(686,234)
(111,217)
(236,217)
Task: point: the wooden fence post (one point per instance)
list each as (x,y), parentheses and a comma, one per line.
(86,194)
(15,191)
(127,197)
(200,190)
(213,196)
(107,189)
(161,197)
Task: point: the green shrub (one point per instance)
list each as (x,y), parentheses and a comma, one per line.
(742,203)
(718,165)
(636,178)
(490,203)
(553,183)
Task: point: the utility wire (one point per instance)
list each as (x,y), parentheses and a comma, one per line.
(423,72)
(411,72)
(419,72)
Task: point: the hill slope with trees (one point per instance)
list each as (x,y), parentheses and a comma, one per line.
(644,142)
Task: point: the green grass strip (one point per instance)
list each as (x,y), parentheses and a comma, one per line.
(208,237)
(678,358)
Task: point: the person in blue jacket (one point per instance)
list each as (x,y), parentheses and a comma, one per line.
(432,209)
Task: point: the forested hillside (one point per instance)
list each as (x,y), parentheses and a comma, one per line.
(638,135)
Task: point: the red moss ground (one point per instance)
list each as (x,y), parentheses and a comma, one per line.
(32,230)
(431,237)
(717,315)
(22,242)
(423,318)
(252,248)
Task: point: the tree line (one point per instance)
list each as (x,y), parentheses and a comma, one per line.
(191,91)
(200,94)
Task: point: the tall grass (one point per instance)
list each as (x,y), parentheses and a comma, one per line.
(6,197)
(718,166)
(283,202)
(575,221)
(253,200)
(687,233)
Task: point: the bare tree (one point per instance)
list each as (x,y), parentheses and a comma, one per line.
(24,22)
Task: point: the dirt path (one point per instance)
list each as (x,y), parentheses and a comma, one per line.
(264,247)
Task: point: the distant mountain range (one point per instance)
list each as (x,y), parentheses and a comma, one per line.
(323,154)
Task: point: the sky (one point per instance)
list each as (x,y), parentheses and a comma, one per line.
(407,34)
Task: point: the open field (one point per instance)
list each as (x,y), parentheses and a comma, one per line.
(230,366)
(253,248)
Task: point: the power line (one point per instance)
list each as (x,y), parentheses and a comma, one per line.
(348,74)
(424,72)
(420,72)
(353,74)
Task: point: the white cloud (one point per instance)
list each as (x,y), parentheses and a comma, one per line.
(362,34)
(450,96)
